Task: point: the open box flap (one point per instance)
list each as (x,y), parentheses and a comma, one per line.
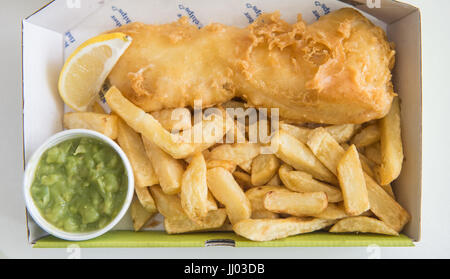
(42,53)
(408,84)
(386,10)
(61,15)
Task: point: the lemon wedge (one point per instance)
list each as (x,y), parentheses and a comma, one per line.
(87,68)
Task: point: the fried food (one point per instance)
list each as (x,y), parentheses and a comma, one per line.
(264,167)
(296,204)
(152,130)
(175,218)
(334,211)
(225,189)
(145,199)
(256,195)
(139,215)
(174,119)
(352,182)
(336,70)
(391,145)
(102,123)
(238,152)
(271,229)
(299,156)
(385,207)
(131,143)
(367,136)
(302,182)
(194,190)
(362,224)
(168,170)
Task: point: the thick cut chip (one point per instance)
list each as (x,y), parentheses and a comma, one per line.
(264,167)
(243,179)
(264,214)
(342,133)
(194,190)
(275,180)
(367,165)
(271,229)
(99,122)
(205,155)
(373,153)
(326,148)
(131,144)
(211,202)
(176,220)
(177,146)
(174,119)
(367,136)
(97,108)
(385,207)
(352,182)
(237,153)
(139,215)
(296,204)
(329,151)
(381,204)
(225,189)
(362,224)
(256,195)
(246,166)
(389,190)
(345,146)
(334,211)
(391,145)
(300,133)
(299,181)
(168,205)
(228,165)
(146,199)
(298,155)
(226,227)
(168,169)
(211,222)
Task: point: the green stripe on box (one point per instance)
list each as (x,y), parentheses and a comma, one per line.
(128,239)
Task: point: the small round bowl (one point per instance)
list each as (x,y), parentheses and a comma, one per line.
(29,177)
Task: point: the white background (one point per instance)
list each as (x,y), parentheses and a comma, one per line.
(435,241)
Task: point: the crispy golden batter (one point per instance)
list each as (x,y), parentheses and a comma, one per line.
(171,65)
(336,70)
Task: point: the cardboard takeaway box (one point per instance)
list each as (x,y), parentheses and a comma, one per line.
(53,32)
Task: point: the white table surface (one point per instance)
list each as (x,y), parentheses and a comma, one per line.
(435,241)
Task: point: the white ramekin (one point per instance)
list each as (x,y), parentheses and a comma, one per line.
(29,176)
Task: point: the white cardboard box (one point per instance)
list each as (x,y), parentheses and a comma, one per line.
(53,32)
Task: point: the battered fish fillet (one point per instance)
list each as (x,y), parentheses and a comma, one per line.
(336,70)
